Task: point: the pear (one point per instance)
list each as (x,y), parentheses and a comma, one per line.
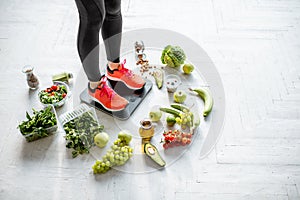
(155,115)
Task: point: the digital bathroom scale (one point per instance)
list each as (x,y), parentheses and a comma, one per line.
(134,97)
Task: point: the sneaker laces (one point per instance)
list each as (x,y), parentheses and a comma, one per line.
(104,89)
(124,70)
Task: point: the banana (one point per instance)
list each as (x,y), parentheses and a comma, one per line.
(172,111)
(206,97)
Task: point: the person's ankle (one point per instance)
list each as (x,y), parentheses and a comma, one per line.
(94,85)
(113,65)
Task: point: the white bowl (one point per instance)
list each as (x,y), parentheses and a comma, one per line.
(61,102)
(172,82)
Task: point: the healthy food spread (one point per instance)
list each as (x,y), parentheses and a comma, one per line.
(83,132)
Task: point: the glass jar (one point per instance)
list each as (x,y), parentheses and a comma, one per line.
(139,48)
(146,130)
(32,79)
(63,77)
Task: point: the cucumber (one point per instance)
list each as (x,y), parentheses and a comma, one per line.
(172,111)
(180,107)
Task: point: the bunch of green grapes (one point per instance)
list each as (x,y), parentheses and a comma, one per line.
(185,119)
(118,155)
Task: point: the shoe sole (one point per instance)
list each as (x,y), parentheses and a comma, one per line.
(117,79)
(112,110)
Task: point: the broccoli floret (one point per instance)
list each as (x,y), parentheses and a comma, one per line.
(173,56)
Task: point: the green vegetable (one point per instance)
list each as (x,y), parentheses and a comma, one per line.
(172,111)
(80,133)
(180,107)
(173,56)
(35,127)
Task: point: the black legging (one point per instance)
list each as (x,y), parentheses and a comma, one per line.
(94,15)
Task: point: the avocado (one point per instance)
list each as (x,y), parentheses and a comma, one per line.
(152,152)
(158,75)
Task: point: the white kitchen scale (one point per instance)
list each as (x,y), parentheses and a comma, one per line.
(134,97)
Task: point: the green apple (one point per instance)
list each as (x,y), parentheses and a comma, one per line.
(101,139)
(125,136)
(179,96)
(188,68)
(155,115)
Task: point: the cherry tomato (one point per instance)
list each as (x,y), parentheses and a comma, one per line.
(64,95)
(54,87)
(171,145)
(165,146)
(167,137)
(49,90)
(188,141)
(184,141)
(188,135)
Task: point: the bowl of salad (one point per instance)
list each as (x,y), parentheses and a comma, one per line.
(56,94)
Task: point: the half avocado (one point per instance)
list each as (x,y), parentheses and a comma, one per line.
(152,152)
(158,75)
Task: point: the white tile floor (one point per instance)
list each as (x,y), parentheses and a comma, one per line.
(255,46)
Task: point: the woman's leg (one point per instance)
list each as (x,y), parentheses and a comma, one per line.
(91,13)
(112,33)
(112,30)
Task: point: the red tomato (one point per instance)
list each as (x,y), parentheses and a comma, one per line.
(54,87)
(165,146)
(49,90)
(188,141)
(184,141)
(64,95)
(171,138)
(167,137)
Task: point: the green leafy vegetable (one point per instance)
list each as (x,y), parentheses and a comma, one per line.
(173,56)
(35,127)
(80,133)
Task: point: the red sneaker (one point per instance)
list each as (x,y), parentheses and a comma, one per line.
(107,97)
(131,80)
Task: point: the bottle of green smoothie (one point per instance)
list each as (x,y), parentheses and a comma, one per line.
(64,77)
